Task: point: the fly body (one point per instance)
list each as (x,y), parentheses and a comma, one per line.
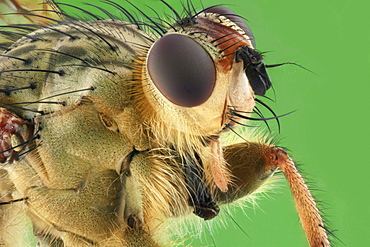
(111,129)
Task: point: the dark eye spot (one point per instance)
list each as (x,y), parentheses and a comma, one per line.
(182,70)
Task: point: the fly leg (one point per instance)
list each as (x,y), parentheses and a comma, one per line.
(252,163)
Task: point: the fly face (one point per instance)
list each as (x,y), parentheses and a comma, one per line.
(200,79)
(201,70)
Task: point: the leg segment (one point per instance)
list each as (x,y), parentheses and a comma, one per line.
(252,163)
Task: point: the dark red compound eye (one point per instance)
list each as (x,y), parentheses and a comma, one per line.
(182,70)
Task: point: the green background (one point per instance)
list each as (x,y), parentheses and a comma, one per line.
(328,133)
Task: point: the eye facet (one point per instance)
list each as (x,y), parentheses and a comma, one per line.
(234,18)
(182,70)
(255,69)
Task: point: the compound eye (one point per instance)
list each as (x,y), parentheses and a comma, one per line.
(181,70)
